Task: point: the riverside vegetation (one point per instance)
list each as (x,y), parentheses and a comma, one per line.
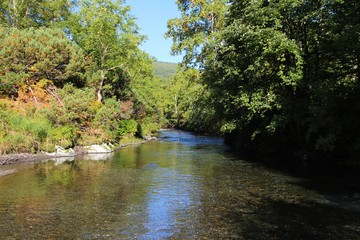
(72,74)
(279,78)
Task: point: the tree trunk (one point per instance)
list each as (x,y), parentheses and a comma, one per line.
(358,67)
(35,99)
(175,104)
(99,89)
(52,92)
(99,96)
(176,109)
(13,19)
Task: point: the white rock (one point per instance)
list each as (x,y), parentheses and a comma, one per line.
(103,148)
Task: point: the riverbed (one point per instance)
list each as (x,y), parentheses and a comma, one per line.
(183,186)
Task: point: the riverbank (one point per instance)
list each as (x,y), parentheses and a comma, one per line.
(9,159)
(22,157)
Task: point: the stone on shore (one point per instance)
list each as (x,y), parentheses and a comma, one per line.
(103,148)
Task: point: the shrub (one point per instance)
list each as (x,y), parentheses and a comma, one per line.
(29,55)
(147,127)
(127,128)
(107,118)
(21,133)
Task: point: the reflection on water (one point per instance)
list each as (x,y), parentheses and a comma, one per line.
(181,187)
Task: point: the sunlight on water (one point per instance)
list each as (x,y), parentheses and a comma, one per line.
(181,187)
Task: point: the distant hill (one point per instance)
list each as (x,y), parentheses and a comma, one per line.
(165,70)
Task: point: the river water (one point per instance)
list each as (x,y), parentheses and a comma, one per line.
(181,187)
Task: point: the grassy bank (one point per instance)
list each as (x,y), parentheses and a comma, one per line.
(24,129)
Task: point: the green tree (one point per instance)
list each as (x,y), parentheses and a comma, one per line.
(331,74)
(109,36)
(31,56)
(194,32)
(33,13)
(283,74)
(255,73)
(182,92)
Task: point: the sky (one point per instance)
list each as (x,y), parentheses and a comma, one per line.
(152,17)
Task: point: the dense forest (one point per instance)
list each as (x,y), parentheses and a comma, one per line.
(72,74)
(165,70)
(280,77)
(273,77)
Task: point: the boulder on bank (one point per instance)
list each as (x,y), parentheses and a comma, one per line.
(61,152)
(103,148)
(150,138)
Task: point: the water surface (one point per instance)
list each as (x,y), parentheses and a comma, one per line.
(181,187)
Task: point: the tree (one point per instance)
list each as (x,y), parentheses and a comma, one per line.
(332,76)
(31,56)
(254,75)
(281,73)
(108,35)
(194,32)
(33,13)
(182,93)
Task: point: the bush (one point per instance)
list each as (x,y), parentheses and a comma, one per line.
(29,55)
(107,119)
(21,133)
(127,128)
(147,127)
(64,136)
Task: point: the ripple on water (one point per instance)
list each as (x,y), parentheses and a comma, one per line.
(182,187)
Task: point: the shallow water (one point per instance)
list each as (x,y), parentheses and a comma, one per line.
(181,187)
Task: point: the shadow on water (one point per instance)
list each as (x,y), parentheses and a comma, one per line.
(341,190)
(335,215)
(283,220)
(181,187)
(328,178)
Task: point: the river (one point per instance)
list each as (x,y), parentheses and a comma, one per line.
(180,187)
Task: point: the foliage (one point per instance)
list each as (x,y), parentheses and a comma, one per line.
(76,107)
(201,116)
(254,76)
(279,75)
(316,74)
(33,13)
(21,133)
(33,55)
(182,93)
(149,95)
(107,118)
(89,85)
(195,31)
(127,127)
(108,34)
(165,70)
(147,127)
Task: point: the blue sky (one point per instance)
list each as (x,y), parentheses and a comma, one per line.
(152,17)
